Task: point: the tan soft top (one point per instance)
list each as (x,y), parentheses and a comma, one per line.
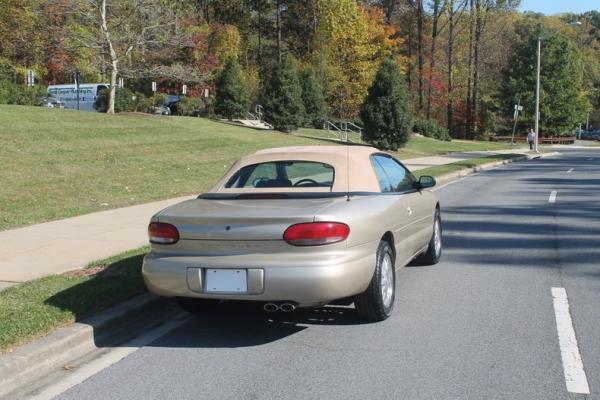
(357,175)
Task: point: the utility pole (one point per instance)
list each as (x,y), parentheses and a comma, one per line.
(587,122)
(537,94)
(518,107)
(77,79)
(154,93)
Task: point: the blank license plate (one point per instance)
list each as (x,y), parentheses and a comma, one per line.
(226,281)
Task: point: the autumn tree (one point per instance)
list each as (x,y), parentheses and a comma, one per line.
(21,35)
(349,44)
(438,9)
(419,16)
(224,42)
(120,27)
(454,11)
(387,112)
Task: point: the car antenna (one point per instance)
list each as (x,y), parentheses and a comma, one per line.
(347,170)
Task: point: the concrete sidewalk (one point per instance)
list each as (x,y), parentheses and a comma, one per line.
(59,246)
(415,164)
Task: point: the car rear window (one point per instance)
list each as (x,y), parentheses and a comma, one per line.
(283,174)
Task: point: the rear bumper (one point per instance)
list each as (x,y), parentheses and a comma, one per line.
(315,279)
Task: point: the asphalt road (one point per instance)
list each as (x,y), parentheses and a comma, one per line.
(479,325)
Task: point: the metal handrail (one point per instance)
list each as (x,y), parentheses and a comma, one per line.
(258,109)
(329,124)
(345,127)
(358,128)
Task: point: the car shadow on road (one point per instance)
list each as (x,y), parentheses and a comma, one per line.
(245,324)
(230,324)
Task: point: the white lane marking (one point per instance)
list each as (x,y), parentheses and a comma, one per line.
(571,170)
(113,356)
(552,198)
(575,377)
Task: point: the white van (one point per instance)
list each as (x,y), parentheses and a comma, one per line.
(67,94)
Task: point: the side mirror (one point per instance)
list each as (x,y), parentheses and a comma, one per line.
(426,182)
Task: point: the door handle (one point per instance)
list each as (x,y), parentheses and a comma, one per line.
(409,210)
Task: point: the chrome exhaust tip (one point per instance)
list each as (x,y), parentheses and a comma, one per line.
(270,307)
(287,307)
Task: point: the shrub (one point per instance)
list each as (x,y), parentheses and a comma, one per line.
(230,98)
(282,97)
(159,99)
(141,103)
(123,100)
(13,93)
(386,111)
(190,106)
(430,128)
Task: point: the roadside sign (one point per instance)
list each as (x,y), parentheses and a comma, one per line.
(518,107)
(154,86)
(206,93)
(30,77)
(77,83)
(121,83)
(184,89)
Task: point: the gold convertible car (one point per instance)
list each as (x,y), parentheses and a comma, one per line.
(297,227)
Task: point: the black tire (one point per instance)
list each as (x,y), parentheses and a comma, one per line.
(196,306)
(370,304)
(432,256)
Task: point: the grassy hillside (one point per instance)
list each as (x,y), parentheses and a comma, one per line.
(61,163)
(417,146)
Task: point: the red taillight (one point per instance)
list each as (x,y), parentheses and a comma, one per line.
(316,233)
(161,233)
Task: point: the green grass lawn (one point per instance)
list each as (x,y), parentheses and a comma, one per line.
(418,146)
(464,164)
(35,308)
(61,163)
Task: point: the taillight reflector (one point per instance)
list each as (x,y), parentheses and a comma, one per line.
(161,233)
(316,233)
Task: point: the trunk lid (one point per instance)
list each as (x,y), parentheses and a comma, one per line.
(241,220)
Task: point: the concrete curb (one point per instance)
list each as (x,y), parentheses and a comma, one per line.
(452,176)
(29,363)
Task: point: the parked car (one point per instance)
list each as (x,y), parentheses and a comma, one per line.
(66,95)
(52,102)
(590,134)
(297,227)
(162,109)
(172,103)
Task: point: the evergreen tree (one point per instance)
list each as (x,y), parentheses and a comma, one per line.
(282,97)
(231,99)
(562,102)
(386,111)
(312,99)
